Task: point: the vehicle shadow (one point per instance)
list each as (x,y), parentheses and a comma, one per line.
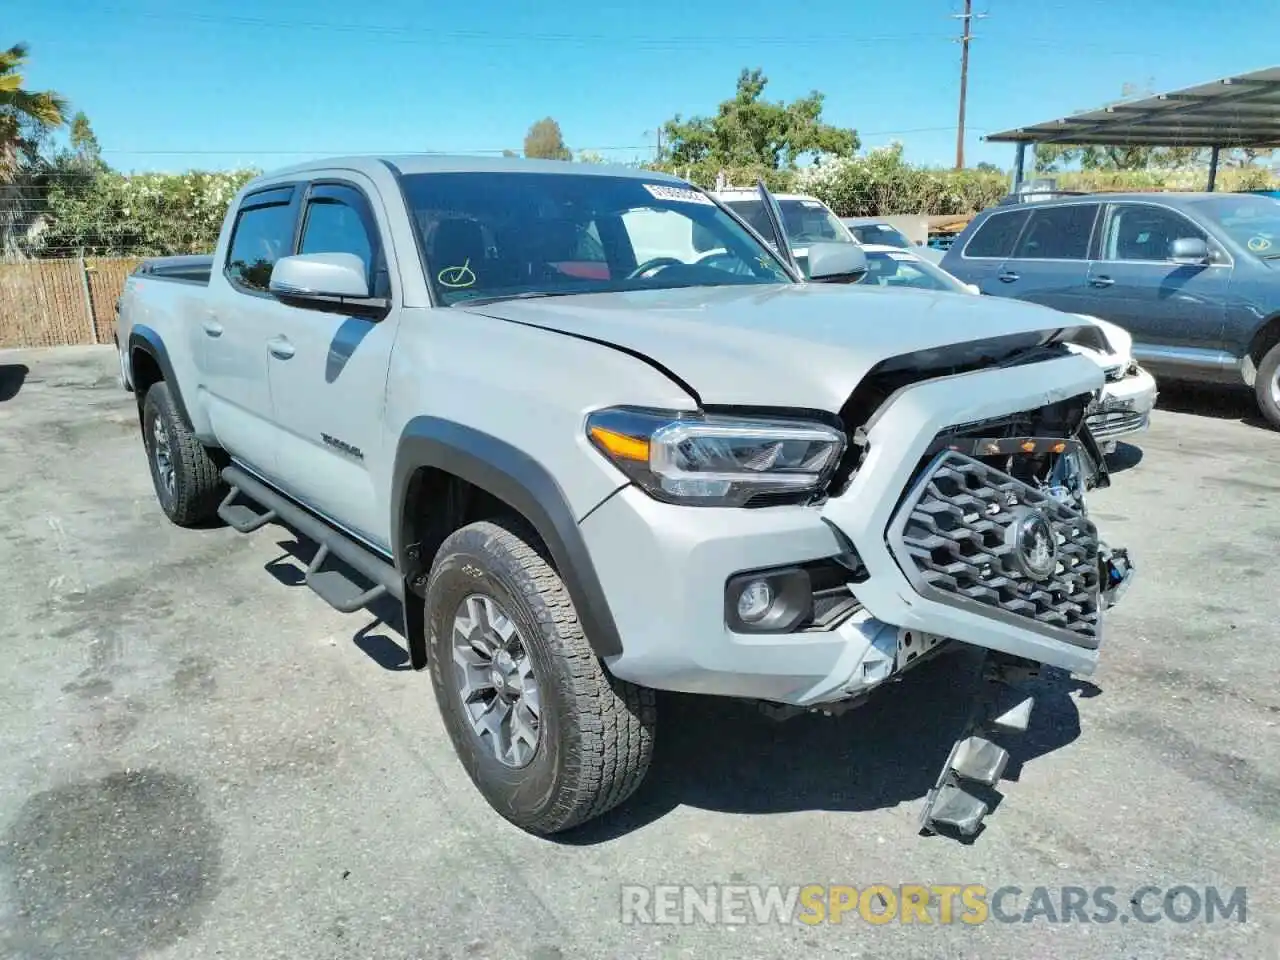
(725,756)
(1125,457)
(375,639)
(1219,402)
(12,377)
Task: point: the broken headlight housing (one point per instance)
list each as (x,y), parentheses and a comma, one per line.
(718,461)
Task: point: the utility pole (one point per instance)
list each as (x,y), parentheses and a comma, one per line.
(657,154)
(965,37)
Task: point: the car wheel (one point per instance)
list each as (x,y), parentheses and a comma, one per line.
(546,735)
(1267,386)
(187,480)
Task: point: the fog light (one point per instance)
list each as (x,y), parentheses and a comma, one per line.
(768,601)
(755,600)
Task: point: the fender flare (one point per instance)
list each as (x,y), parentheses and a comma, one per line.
(143,338)
(515,478)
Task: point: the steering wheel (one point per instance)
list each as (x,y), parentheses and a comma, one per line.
(655,263)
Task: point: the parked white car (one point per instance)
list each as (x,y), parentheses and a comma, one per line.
(808,220)
(870,231)
(1124,407)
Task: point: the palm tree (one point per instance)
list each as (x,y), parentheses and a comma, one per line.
(19,107)
(22,113)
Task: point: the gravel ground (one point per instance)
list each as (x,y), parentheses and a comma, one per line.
(198,758)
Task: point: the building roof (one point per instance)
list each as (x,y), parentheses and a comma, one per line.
(1239,111)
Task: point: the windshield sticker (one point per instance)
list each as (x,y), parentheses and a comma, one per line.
(1259,244)
(811,204)
(679,194)
(457,277)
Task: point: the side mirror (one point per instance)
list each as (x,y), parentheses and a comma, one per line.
(836,262)
(1189,250)
(334,282)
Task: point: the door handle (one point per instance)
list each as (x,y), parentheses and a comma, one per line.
(212,327)
(1007,277)
(1100,281)
(280,348)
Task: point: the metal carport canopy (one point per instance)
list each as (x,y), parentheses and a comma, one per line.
(1238,111)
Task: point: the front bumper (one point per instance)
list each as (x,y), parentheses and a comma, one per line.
(665,567)
(1124,408)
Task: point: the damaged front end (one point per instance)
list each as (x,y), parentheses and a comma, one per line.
(988,541)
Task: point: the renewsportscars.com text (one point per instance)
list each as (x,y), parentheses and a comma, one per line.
(814,904)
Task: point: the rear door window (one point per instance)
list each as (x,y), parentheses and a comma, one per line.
(263,233)
(1058,233)
(996,235)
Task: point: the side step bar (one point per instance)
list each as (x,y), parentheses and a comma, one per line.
(974,758)
(330,582)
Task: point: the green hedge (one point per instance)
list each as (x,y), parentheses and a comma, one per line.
(880,183)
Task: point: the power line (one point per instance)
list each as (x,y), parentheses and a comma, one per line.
(409,33)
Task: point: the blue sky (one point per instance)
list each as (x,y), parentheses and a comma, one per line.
(202,83)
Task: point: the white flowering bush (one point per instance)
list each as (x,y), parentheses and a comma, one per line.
(149,214)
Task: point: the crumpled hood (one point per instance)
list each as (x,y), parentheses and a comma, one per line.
(803,345)
(1119,344)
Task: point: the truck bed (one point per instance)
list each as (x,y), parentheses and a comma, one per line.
(188,269)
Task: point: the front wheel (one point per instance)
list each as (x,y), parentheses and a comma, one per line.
(547,736)
(187,481)
(1266,386)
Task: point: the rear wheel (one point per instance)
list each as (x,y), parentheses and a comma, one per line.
(546,735)
(187,481)
(1266,386)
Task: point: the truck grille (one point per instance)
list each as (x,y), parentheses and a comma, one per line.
(966,535)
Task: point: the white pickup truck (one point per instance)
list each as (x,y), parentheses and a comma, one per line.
(591,473)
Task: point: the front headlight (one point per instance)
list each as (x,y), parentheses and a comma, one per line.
(714,460)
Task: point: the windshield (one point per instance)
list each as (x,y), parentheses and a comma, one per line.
(891,269)
(502,235)
(1252,221)
(807,221)
(880,233)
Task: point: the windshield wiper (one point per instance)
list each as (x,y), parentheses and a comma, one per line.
(525,295)
(1272,256)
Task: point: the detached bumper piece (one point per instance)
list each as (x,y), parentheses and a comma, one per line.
(1117,574)
(974,759)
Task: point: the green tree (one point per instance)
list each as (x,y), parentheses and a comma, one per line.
(749,131)
(83,140)
(21,110)
(1052,157)
(545,141)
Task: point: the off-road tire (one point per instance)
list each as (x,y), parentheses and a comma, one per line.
(198,486)
(1262,387)
(596,732)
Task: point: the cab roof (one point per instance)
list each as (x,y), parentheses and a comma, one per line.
(443,163)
